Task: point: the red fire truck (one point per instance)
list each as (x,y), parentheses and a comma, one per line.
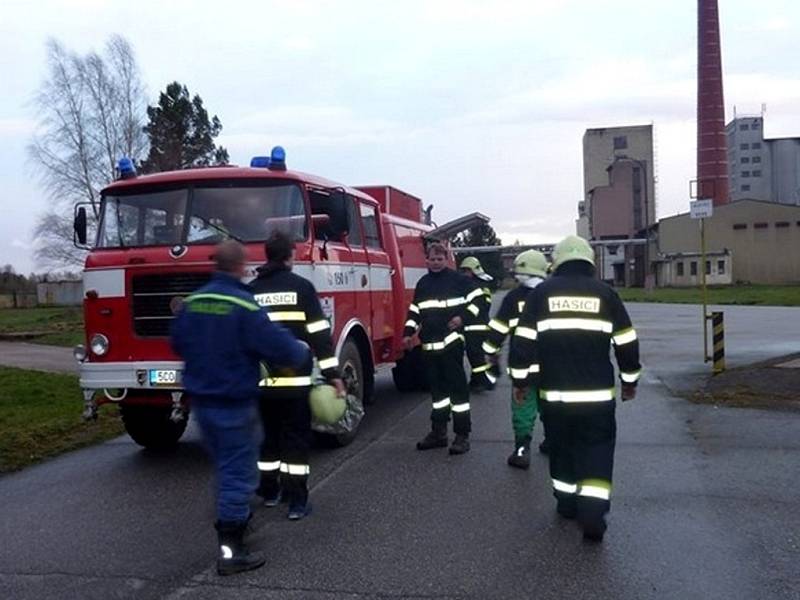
(363,248)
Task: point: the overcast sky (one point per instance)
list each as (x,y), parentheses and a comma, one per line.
(469,105)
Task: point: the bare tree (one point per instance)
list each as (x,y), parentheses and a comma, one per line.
(91,111)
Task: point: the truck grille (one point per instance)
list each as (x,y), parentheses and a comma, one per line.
(152,295)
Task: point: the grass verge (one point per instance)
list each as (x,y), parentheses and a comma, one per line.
(752,295)
(765,385)
(40,417)
(58,326)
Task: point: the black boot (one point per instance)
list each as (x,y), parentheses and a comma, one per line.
(594,529)
(460,445)
(436,438)
(521,456)
(233,555)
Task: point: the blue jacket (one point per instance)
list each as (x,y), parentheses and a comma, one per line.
(222,334)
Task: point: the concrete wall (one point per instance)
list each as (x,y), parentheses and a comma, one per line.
(60,293)
(763,238)
(599,154)
(612,206)
(17,300)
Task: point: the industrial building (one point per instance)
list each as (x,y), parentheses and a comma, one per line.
(762,168)
(619,198)
(748,241)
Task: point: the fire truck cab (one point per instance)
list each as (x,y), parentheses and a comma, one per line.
(363,248)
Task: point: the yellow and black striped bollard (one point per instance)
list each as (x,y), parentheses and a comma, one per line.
(718,322)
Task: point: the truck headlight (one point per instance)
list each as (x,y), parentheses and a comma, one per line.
(99,344)
(79,352)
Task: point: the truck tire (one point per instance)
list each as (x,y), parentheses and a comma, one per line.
(352,370)
(151,427)
(409,373)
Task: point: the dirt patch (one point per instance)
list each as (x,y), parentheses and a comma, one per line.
(760,385)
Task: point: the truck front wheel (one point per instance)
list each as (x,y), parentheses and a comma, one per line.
(150,426)
(352,369)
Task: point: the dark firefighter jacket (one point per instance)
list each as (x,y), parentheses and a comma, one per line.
(561,344)
(438,298)
(507,318)
(481,297)
(221,334)
(293,302)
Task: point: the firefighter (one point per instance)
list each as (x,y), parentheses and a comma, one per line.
(221,333)
(476,327)
(561,345)
(438,311)
(285,411)
(530,269)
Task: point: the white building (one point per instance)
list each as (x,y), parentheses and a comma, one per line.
(762,169)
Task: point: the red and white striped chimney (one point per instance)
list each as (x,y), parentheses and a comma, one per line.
(712,157)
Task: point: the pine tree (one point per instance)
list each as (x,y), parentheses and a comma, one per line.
(181,133)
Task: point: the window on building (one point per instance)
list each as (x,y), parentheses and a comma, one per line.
(760,225)
(745,187)
(693,268)
(745,173)
(720,267)
(744,127)
(782,224)
(621,142)
(739,226)
(708,267)
(755,125)
(745,159)
(757,173)
(756,159)
(744,146)
(680,269)
(756,146)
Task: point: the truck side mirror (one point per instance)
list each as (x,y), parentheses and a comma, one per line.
(79,227)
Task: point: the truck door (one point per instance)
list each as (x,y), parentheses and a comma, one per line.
(331,269)
(360,269)
(380,281)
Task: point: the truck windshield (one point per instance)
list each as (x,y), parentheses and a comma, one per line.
(214,213)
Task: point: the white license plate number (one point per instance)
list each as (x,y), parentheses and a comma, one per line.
(164,377)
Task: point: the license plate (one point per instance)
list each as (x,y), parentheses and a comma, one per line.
(165,377)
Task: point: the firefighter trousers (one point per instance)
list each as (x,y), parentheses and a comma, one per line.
(481,373)
(582,437)
(523,416)
(449,389)
(283,460)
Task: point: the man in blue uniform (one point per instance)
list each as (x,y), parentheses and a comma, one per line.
(221,334)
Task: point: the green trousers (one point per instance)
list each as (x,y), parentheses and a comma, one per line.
(523,416)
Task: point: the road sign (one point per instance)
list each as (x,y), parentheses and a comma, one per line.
(701,209)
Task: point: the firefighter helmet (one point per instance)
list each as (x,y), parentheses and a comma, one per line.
(327,407)
(572,247)
(531,263)
(473,264)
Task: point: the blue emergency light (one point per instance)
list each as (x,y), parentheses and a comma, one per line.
(259,162)
(277,159)
(126,168)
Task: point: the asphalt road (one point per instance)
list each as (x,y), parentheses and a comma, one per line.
(705,504)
